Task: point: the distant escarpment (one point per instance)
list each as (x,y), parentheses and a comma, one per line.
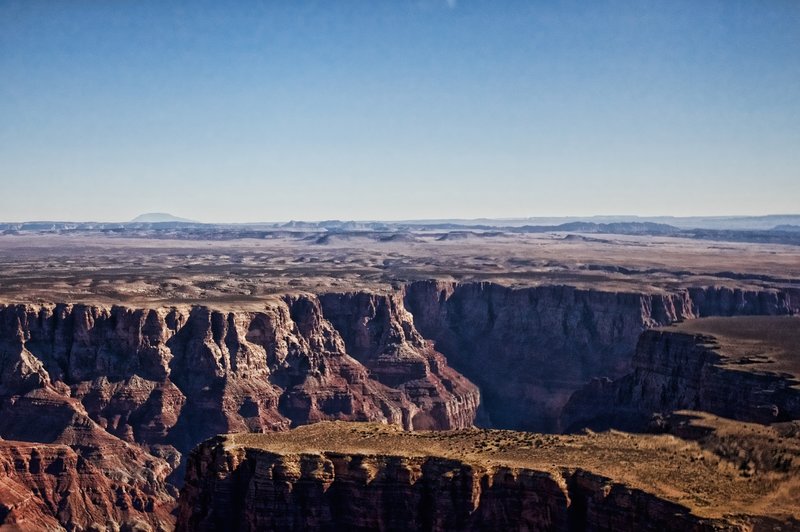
(529,349)
(746,378)
(313,478)
(124,393)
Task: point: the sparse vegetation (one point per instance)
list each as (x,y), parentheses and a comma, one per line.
(734,470)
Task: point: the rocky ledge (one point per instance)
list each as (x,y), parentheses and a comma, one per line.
(344,476)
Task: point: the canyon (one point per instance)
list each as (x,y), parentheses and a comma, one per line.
(113,370)
(134,390)
(530,349)
(321,266)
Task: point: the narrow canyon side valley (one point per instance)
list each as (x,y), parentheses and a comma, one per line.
(329,376)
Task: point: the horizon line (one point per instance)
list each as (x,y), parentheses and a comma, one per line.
(415,220)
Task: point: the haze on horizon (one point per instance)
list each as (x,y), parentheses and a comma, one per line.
(268,111)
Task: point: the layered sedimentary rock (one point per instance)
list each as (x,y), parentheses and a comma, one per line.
(51,487)
(132,390)
(748,378)
(379,332)
(339,477)
(529,349)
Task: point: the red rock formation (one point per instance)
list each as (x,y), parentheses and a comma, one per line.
(52,487)
(247,489)
(131,391)
(530,349)
(680,371)
(379,332)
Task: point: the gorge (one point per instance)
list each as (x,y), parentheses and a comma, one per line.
(109,380)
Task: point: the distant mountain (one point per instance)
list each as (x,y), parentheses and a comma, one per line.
(158,217)
(765,222)
(623,228)
(784,229)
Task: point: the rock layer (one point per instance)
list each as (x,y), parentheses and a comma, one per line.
(274,485)
(677,370)
(529,349)
(52,487)
(131,390)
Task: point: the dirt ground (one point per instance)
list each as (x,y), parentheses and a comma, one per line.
(707,475)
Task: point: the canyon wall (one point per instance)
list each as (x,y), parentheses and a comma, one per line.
(529,349)
(131,391)
(56,487)
(681,371)
(247,489)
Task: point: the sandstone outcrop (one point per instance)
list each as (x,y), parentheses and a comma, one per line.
(379,332)
(53,487)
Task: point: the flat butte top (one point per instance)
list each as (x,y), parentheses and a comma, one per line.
(752,343)
(699,476)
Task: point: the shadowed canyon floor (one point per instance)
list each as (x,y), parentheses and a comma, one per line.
(135,349)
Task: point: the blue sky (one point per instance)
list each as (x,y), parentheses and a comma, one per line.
(260,111)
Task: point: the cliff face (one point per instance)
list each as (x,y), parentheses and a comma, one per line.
(245,488)
(132,390)
(681,371)
(529,349)
(379,332)
(52,487)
